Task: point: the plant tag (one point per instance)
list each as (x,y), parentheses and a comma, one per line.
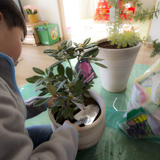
(86,70)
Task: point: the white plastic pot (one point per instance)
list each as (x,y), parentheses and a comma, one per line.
(91,134)
(120,63)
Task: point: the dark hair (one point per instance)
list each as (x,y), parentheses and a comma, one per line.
(12,15)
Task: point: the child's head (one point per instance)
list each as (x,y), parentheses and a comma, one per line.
(12,29)
(12,15)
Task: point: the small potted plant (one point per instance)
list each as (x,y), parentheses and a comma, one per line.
(32,13)
(120,48)
(70,85)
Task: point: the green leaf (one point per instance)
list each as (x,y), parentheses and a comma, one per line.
(91,45)
(63,44)
(91,52)
(71,114)
(66,111)
(58,102)
(54,110)
(77,89)
(92,82)
(76,44)
(87,94)
(39,71)
(50,51)
(46,70)
(61,78)
(93,58)
(60,69)
(69,44)
(101,65)
(70,50)
(39,81)
(95,54)
(76,100)
(77,77)
(39,88)
(43,92)
(55,64)
(33,79)
(52,89)
(40,102)
(59,117)
(69,73)
(60,54)
(57,83)
(51,75)
(86,42)
(81,49)
(61,85)
(69,57)
(63,93)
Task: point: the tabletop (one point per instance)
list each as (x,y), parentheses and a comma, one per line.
(114,144)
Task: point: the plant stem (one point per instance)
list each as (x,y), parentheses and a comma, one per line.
(69,63)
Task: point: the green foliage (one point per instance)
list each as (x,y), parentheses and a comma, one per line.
(156,50)
(60,79)
(146,14)
(125,39)
(115,28)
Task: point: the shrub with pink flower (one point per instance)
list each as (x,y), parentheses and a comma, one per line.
(30,9)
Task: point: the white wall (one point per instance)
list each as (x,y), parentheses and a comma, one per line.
(155,27)
(147,3)
(79,9)
(47,11)
(72,12)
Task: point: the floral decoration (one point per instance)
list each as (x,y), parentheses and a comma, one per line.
(30,9)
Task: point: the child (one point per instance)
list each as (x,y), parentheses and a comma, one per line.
(16,142)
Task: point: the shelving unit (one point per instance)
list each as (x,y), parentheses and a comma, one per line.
(32,35)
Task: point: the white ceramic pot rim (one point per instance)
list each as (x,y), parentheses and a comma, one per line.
(122,49)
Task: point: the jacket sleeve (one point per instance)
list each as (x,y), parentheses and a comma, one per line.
(15,144)
(33,111)
(63,145)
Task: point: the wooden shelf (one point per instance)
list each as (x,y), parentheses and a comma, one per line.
(32,35)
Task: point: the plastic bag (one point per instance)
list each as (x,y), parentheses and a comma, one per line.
(142,118)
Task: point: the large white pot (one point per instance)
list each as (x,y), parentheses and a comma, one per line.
(119,63)
(91,134)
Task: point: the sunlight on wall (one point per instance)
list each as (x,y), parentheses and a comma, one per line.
(71,9)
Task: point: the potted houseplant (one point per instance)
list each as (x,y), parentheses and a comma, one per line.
(120,48)
(32,13)
(70,87)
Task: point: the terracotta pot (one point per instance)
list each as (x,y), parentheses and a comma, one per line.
(33,18)
(91,134)
(120,63)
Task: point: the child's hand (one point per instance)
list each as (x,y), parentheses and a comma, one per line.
(50,102)
(79,129)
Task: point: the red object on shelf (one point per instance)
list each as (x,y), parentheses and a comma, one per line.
(102,12)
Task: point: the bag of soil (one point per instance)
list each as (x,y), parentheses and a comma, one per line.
(142,118)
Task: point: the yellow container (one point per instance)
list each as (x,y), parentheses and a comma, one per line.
(33,18)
